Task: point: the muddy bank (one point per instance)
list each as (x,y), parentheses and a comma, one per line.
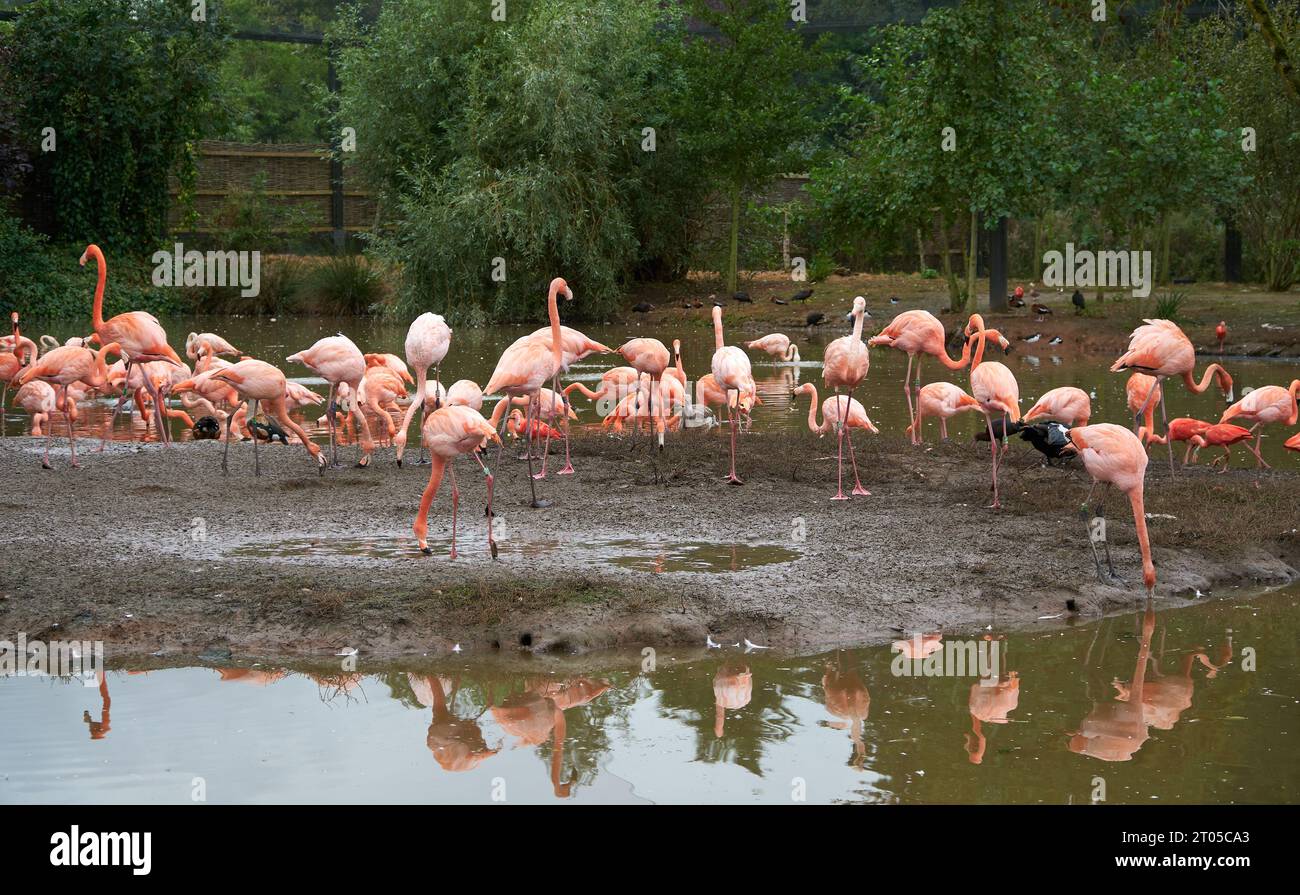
(156,551)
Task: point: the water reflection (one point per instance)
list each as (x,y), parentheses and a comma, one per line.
(1164,693)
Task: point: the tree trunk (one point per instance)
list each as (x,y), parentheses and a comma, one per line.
(920,252)
(954,294)
(972,258)
(1165,229)
(1277,47)
(734,253)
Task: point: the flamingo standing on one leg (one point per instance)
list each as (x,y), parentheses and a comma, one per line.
(1270,404)
(944,400)
(449,432)
(574,346)
(1114,456)
(338,360)
(1067,405)
(831,419)
(139,336)
(1160,348)
(63,367)
(731,372)
(845,365)
(996,390)
(427,343)
(528,363)
(1138,390)
(257,381)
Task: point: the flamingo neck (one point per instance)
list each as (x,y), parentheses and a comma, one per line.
(101,368)
(978,359)
(857,324)
(717,331)
(949,362)
(554,311)
(101,267)
(1212,371)
(1140,522)
(812,411)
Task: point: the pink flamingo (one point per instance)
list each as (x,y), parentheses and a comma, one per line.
(943,400)
(526,365)
(1270,404)
(1138,390)
(465,393)
(1161,349)
(731,372)
(24,352)
(1222,435)
(380,388)
(449,432)
(62,367)
(1293,443)
(845,365)
(38,399)
(650,358)
(1184,428)
(574,346)
(917,333)
(197,344)
(427,341)
(832,409)
(778,345)
(1115,456)
(257,381)
(1067,405)
(338,361)
(996,390)
(139,335)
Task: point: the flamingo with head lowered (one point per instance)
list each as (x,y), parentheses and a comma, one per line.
(427,343)
(855,417)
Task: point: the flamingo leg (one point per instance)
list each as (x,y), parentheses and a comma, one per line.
(731,418)
(117,408)
(546,449)
(907,393)
(436,403)
(455,503)
(993,447)
(225,451)
(1259,458)
(839,438)
(1142,411)
(858,490)
(72,438)
(1164,418)
(568,464)
(329,412)
(487,475)
(252,415)
(4,400)
(528,437)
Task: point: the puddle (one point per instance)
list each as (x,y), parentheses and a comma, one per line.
(628,553)
(1166,709)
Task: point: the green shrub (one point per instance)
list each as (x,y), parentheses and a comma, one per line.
(342,285)
(1169,305)
(45,282)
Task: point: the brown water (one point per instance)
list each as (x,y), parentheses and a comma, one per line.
(1213,718)
(1038,368)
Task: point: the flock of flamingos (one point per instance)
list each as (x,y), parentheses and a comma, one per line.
(650,389)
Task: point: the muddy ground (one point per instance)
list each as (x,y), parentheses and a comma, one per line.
(156,551)
(1260,323)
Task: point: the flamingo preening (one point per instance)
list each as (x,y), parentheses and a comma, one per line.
(854,417)
(338,361)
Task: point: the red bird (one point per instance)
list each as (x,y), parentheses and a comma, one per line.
(1221,333)
(1222,435)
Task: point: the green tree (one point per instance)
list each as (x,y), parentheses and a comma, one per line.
(522,140)
(1267,207)
(126,87)
(748,108)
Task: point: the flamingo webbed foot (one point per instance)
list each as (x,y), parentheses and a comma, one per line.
(859,491)
(567,470)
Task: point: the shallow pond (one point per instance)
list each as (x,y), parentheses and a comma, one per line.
(1066,715)
(1038,367)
